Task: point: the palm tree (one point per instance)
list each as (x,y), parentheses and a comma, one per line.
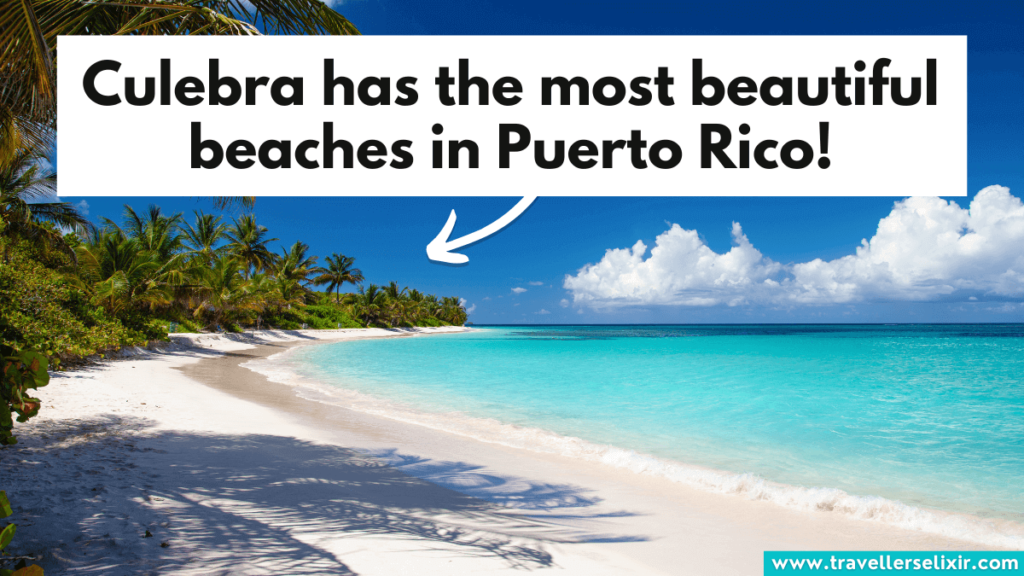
(394,292)
(225,293)
(415,301)
(339,270)
(431,306)
(26,193)
(287,292)
(453,311)
(294,265)
(159,235)
(249,243)
(398,304)
(29,29)
(120,274)
(225,202)
(154,231)
(201,239)
(275,293)
(368,304)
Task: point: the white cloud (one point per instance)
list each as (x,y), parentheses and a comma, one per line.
(536,283)
(925,249)
(83,207)
(681,270)
(488,297)
(563,303)
(470,309)
(519,290)
(543,311)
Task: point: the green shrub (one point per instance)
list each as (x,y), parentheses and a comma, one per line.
(188,325)
(41,311)
(314,316)
(20,372)
(328,316)
(284,320)
(159,324)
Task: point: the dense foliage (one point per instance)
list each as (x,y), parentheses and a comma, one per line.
(216,274)
(21,371)
(126,283)
(29,31)
(41,309)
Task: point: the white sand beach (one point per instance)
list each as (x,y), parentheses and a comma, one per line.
(229,473)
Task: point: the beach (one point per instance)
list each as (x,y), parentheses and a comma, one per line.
(231,473)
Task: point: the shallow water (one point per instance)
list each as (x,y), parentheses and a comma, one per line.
(856,419)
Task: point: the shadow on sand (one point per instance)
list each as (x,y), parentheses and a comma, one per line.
(232,504)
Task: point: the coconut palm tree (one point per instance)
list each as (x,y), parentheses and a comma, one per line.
(431,306)
(398,306)
(394,292)
(415,304)
(275,293)
(338,271)
(29,29)
(453,311)
(155,232)
(201,240)
(369,304)
(225,202)
(119,274)
(159,235)
(288,292)
(248,242)
(295,265)
(225,292)
(27,191)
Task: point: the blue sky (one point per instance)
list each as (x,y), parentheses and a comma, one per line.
(558,236)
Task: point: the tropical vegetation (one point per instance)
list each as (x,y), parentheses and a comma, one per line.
(70,289)
(29,31)
(153,271)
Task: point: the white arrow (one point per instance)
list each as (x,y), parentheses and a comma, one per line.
(440,248)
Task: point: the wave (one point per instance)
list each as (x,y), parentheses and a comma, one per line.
(985,531)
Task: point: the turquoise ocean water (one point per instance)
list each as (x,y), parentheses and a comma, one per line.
(888,423)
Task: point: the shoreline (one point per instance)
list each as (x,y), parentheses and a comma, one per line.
(237,474)
(997,532)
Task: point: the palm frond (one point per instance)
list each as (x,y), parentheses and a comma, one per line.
(29,31)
